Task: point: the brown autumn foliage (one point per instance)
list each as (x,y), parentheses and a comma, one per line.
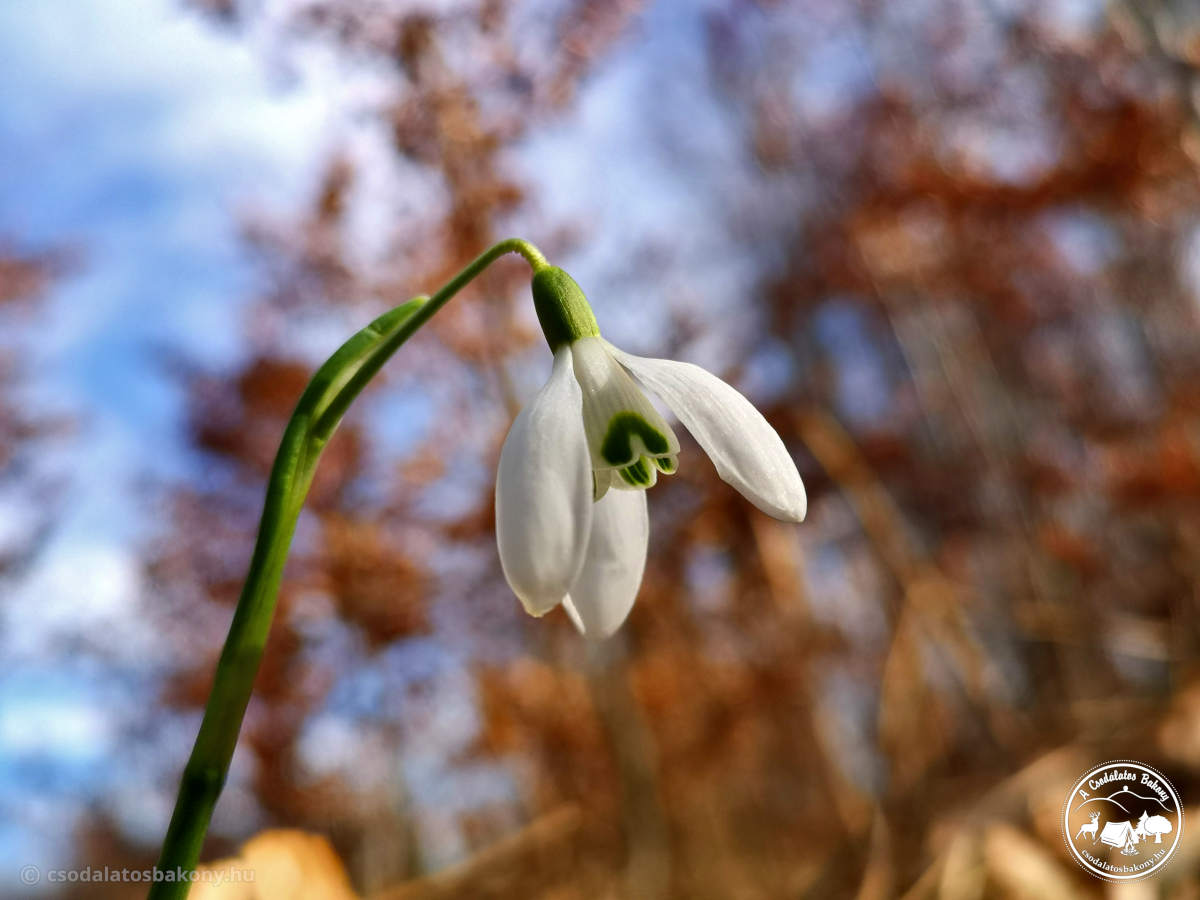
(25,279)
(996,586)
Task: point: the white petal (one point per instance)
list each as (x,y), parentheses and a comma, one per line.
(606,587)
(544,493)
(746,450)
(573,615)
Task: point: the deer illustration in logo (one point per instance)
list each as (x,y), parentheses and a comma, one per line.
(1090,828)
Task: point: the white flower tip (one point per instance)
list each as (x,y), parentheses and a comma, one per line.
(539,606)
(597,632)
(573,615)
(787,503)
(795,503)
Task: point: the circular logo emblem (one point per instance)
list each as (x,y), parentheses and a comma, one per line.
(1122,820)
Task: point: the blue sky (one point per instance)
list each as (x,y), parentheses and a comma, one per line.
(132,133)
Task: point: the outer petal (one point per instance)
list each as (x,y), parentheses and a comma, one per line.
(746,450)
(544,493)
(606,587)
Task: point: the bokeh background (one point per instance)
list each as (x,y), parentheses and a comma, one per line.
(950,247)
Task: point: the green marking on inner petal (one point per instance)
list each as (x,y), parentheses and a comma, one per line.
(666,464)
(617,446)
(638,475)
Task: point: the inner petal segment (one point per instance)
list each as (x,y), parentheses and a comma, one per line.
(624,431)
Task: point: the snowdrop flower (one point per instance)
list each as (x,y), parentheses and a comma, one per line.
(571,523)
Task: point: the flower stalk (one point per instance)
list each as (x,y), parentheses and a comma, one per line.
(321,407)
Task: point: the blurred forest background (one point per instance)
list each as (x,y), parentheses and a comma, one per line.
(951,248)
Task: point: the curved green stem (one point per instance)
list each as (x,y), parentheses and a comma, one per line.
(317,414)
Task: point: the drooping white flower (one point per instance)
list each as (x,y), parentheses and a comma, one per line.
(571,521)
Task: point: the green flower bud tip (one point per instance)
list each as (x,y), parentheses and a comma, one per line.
(562,309)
